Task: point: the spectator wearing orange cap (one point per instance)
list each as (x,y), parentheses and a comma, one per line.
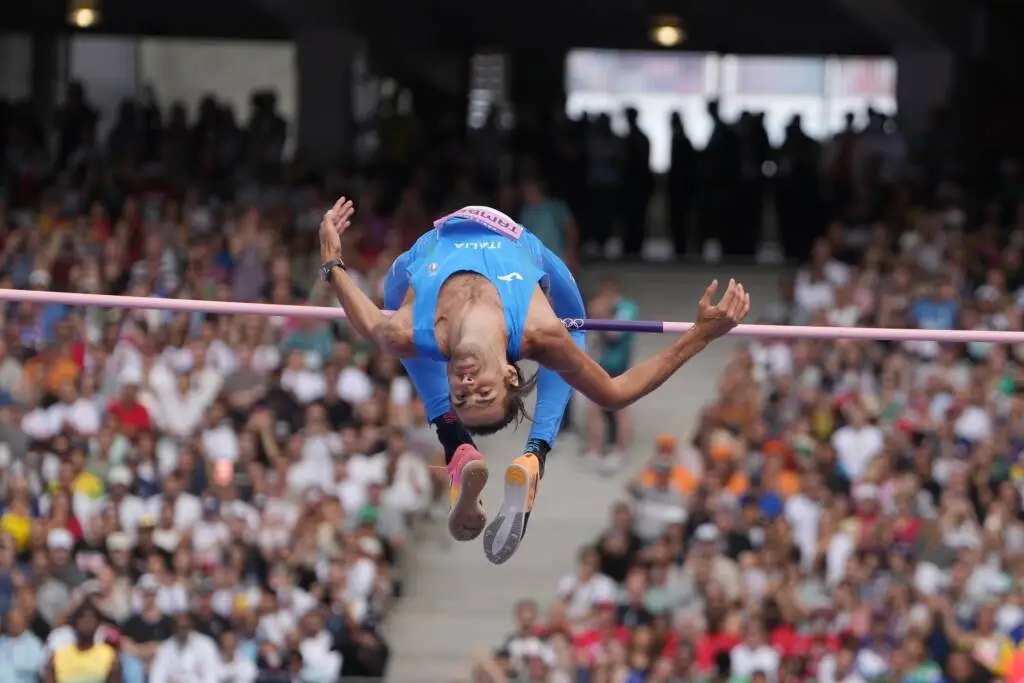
(660,491)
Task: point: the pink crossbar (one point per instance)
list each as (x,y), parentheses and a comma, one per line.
(330,313)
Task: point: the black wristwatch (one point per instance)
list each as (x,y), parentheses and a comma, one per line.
(327,267)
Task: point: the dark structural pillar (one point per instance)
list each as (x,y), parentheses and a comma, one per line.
(326,59)
(49,72)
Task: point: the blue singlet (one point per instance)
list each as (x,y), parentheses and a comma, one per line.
(460,245)
(515,265)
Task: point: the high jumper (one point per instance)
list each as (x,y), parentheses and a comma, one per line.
(473,296)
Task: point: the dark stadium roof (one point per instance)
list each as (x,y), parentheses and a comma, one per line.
(751,26)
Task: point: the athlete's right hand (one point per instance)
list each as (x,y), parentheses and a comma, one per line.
(715,320)
(336,221)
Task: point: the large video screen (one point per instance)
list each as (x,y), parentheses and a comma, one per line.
(821,90)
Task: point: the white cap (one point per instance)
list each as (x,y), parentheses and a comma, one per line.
(863,492)
(132,376)
(371,546)
(59,539)
(39,278)
(119,540)
(148,583)
(120,476)
(707,533)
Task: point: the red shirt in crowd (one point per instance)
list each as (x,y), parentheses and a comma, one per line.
(593,642)
(134,417)
(789,643)
(705,649)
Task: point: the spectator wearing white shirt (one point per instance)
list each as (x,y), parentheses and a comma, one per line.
(350,492)
(303,473)
(218,436)
(186,657)
(11,372)
(220,357)
(130,509)
(73,412)
(857,443)
(354,385)
(210,534)
(841,666)
(303,378)
(277,619)
(187,508)
(409,487)
(803,512)
(587,588)
(319,443)
(320,663)
(974,422)
(278,518)
(179,407)
(234,668)
(362,468)
(754,654)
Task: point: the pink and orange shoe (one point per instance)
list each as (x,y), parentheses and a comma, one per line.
(507,529)
(467,473)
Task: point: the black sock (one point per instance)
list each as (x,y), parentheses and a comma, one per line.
(452,434)
(540,448)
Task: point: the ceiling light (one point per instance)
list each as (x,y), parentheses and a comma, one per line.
(84,13)
(667,31)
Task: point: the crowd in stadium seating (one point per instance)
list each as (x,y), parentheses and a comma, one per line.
(844,512)
(233,494)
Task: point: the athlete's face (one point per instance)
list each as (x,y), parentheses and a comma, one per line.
(479,389)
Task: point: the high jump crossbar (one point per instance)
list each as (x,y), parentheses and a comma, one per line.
(589,324)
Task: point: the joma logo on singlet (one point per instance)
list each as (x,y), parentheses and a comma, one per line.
(478,245)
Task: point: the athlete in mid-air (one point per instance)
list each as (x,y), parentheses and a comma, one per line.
(473,296)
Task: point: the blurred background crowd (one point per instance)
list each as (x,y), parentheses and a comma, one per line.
(844,512)
(234,499)
(254,480)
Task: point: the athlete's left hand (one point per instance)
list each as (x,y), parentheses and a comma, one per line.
(715,320)
(336,221)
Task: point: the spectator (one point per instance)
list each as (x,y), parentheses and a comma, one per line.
(585,589)
(145,632)
(86,655)
(660,492)
(615,354)
(234,667)
(187,654)
(550,220)
(21,652)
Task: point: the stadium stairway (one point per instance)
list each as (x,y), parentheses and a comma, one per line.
(456,603)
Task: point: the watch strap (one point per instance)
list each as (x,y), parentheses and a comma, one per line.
(328,266)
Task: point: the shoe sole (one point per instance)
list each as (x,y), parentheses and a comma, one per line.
(466,519)
(505,532)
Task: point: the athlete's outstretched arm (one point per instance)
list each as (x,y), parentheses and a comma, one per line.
(556,350)
(368,320)
(553,392)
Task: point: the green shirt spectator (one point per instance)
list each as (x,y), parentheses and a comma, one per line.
(550,220)
(617,347)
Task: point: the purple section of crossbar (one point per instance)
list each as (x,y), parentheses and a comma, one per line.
(599,325)
(328,313)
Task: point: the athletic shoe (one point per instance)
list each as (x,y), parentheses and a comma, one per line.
(467,473)
(506,531)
